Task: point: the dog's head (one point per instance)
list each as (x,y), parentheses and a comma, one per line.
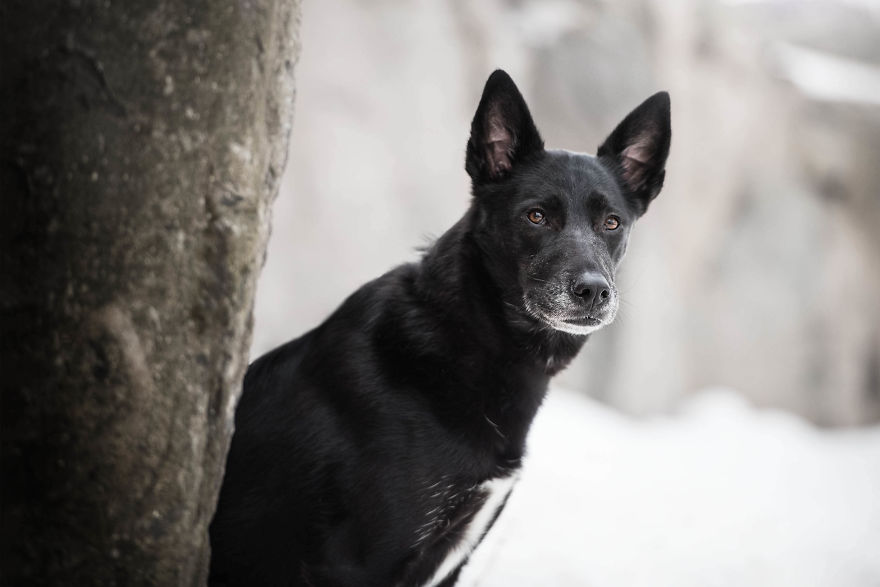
(554,224)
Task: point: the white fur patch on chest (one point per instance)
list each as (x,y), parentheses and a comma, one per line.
(496,491)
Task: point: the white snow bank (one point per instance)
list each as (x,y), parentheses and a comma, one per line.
(721,495)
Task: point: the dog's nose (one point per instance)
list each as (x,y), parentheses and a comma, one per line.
(592,288)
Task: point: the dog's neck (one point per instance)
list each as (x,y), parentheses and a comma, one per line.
(496,359)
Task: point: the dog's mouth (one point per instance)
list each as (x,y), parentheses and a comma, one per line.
(553,304)
(584,321)
(580,324)
(559,313)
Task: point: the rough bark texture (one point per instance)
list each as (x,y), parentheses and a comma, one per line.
(142,145)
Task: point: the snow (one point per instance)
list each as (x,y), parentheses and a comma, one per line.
(721,494)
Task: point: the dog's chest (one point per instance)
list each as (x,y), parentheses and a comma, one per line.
(462,515)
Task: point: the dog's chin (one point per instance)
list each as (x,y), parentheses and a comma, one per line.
(572,322)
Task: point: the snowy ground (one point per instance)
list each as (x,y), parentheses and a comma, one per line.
(722,494)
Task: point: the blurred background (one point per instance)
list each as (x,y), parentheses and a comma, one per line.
(757,268)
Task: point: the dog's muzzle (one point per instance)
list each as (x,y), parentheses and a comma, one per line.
(585,304)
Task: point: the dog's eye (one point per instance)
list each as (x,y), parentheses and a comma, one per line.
(612,223)
(536,216)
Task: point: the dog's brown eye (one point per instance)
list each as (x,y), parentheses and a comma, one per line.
(536,216)
(612,222)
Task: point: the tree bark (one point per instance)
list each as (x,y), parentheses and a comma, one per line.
(142,146)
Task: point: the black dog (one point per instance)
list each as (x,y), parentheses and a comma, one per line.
(378,449)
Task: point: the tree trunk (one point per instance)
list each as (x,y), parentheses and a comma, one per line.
(142,146)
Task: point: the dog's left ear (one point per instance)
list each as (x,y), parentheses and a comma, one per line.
(637,150)
(502,132)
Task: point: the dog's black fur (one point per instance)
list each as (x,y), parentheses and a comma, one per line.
(361,447)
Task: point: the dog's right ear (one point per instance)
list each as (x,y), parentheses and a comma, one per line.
(502,132)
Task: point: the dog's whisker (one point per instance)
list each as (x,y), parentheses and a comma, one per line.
(495,427)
